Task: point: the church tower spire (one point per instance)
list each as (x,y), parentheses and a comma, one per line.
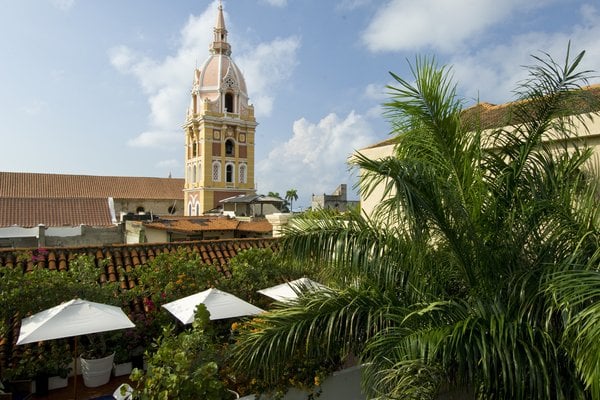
(219,130)
(220,44)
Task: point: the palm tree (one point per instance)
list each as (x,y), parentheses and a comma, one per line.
(478,271)
(291,196)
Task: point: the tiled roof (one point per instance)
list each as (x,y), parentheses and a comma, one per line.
(262,225)
(194,224)
(217,252)
(121,260)
(29,212)
(488,116)
(33,185)
(207,223)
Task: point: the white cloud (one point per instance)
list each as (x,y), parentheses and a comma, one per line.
(168,163)
(63,5)
(167,82)
(491,73)
(442,25)
(352,4)
(313,160)
(276,3)
(35,108)
(156,139)
(266,67)
(374,91)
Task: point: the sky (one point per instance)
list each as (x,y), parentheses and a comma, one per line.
(101,87)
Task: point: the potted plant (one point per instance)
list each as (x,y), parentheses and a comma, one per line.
(57,364)
(96,360)
(123,353)
(20,372)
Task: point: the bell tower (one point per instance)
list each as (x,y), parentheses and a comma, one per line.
(219,130)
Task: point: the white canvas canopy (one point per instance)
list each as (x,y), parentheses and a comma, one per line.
(72,318)
(291,290)
(219,304)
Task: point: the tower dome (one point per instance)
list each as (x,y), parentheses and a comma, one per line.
(219,132)
(219,82)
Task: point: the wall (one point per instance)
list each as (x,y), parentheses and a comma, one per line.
(369,203)
(156,207)
(41,236)
(90,236)
(335,201)
(343,384)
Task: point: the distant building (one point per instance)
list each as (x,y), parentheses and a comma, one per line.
(72,210)
(177,229)
(254,205)
(486,116)
(336,201)
(219,131)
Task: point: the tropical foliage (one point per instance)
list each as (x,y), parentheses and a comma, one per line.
(44,289)
(478,270)
(291,196)
(183,366)
(256,269)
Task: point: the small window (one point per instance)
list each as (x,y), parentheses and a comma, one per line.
(172,210)
(194,176)
(229,103)
(197,209)
(242,173)
(229,173)
(229,148)
(194,149)
(216,171)
(190,209)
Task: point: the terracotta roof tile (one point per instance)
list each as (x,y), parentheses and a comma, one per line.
(205,224)
(29,212)
(32,185)
(216,252)
(488,116)
(262,226)
(194,224)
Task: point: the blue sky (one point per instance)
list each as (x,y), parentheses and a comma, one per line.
(101,86)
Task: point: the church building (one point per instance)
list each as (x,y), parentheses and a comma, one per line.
(219,131)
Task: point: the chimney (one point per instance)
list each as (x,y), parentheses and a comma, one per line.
(41,235)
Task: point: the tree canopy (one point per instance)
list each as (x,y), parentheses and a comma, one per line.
(478,270)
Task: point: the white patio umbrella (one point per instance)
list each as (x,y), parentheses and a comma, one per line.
(291,290)
(72,319)
(219,304)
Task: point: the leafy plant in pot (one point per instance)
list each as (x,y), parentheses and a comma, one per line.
(97,359)
(53,366)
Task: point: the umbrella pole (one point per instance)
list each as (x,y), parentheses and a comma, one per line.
(75,372)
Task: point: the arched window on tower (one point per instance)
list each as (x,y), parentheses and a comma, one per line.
(229,102)
(194,149)
(229,148)
(194,176)
(199,176)
(229,173)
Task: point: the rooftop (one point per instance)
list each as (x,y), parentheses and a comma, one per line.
(36,185)
(30,212)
